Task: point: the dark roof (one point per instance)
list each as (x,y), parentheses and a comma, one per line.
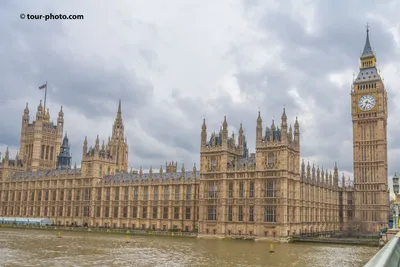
(42,174)
(127,177)
(367,52)
(368,75)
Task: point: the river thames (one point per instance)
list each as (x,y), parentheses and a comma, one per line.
(20,247)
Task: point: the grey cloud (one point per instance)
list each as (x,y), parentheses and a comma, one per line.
(86,85)
(333,48)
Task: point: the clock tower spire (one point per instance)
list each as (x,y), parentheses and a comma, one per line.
(369,116)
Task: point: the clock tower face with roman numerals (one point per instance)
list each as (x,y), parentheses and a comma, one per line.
(369,116)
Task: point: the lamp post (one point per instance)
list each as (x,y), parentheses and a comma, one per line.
(396,201)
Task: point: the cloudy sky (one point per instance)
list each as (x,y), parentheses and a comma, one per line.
(174,62)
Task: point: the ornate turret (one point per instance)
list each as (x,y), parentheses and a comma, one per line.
(85,147)
(25,117)
(39,112)
(259,128)
(296,132)
(204,134)
(64,158)
(284,136)
(118,147)
(46,116)
(60,118)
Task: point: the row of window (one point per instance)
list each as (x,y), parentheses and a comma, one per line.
(270,189)
(86,194)
(239,214)
(106,212)
(242,213)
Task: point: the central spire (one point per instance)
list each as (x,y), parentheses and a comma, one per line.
(119,113)
(367,52)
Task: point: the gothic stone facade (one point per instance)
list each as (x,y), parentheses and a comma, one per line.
(102,193)
(268,193)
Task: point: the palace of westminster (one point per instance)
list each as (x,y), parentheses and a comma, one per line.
(269,193)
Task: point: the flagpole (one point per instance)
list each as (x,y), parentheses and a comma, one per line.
(45,95)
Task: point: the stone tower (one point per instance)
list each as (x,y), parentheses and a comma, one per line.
(278,158)
(40,140)
(369,109)
(118,143)
(106,158)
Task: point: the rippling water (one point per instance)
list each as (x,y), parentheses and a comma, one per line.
(43,248)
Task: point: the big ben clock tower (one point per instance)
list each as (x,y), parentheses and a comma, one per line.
(369,112)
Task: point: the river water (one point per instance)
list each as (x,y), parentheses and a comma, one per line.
(43,248)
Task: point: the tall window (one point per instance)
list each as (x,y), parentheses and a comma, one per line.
(98,193)
(189,192)
(108,193)
(177,192)
(241,189)
(98,210)
(165,213)
(126,193)
(176,213)
(144,213)
(134,212)
(212,213)
(155,211)
(251,214)
(187,213)
(230,190)
(270,188)
(166,193)
(212,190)
(155,192)
(145,193)
(271,159)
(229,213)
(86,211)
(136,193)
(240,214)
(251,189)
(270,213)
(86,194)
(125,212)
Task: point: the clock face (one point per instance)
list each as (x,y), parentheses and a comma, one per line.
(366,102)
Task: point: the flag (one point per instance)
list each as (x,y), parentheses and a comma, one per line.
(43,86)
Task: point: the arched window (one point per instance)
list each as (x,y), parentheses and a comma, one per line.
(51,153)
(47,152)
(42,153)
(271,159)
